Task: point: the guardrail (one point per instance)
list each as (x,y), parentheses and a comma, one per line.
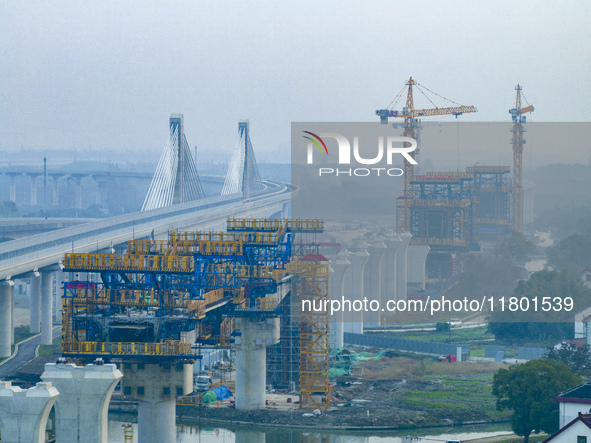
(19,256)
(169,348)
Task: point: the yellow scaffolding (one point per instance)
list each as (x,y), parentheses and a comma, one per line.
(275,224)
(129,262)
(167,348)
(313,288)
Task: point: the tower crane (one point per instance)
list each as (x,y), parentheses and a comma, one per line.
(517,114)
(411,123)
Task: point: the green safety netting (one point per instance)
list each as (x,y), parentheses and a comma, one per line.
(344,359)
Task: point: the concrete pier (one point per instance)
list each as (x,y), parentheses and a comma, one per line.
(417,258)
(388,275)
(336,289)
(5,318)
(353,319)
(401,257)
(57,301)
(81,410)
(372,281)
(12,321)
(155,386)
(251,361)
(35,304)
(46,308)
(24,413)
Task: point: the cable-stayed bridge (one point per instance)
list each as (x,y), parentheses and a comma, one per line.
(175,201)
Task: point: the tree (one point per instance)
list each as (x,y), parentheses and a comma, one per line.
(486,277)
(528,390)
(536,323)
(577,358)
(570,253)
(516,247)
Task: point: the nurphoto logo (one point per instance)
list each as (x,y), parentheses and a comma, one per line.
(394,145)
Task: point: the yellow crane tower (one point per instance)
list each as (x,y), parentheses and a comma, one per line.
(411,122)
(517,114)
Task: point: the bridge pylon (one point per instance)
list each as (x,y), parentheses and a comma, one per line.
(176,179)
(243,174)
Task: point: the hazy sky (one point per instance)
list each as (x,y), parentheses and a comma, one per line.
(108,74)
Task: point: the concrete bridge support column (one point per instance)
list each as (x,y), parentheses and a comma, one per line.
(12,323)
(251,361)
(353,318)
(57,301)
(12,187)
(81,410)
(336,291)
(154,386)
(156,420)
(388,275)
(33,189)
(401,261)
(24,413)
(46,308)
(35,304)
(5,318)
(55,194)
(372,282)
(415,272)
(78,183)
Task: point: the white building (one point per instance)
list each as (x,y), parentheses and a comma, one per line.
(574,402)
(577,431)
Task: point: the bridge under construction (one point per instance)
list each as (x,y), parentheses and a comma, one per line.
(161,303)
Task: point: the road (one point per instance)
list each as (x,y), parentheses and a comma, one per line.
(26,353)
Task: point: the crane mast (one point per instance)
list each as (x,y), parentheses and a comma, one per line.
(411,123)
(518,141)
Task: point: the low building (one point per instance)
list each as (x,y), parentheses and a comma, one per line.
(576,431)
(574,402)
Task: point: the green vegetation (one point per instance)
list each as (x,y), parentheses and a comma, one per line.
(570,253)
(534,325)
(528,390)
(577,358)
(458,335)
(460,392)
(455,398)
(535,439)
(56,347)
(515,247)
(22,333)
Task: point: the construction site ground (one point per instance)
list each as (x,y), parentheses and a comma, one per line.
(381,390)
(391,391)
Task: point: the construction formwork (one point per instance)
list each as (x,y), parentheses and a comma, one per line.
(492,213)
(453,211)
(283,359)
(440,207)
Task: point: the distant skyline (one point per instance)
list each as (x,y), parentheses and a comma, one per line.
(108,74)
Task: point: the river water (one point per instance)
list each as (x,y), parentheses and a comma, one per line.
(218,434)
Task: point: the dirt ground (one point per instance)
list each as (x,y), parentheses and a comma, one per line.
(396,391)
